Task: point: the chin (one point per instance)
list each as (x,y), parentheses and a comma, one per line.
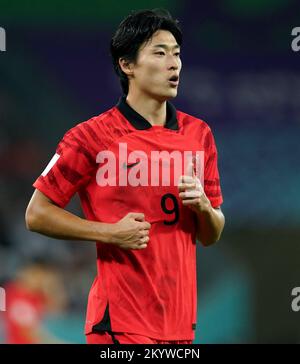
(165,96)
(170,95)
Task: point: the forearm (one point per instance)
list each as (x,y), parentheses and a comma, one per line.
(45,217)
(56,222)
(210,225)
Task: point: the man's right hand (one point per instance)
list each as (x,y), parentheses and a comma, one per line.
(131,232)
(45,217)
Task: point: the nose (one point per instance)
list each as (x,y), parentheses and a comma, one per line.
(173,63)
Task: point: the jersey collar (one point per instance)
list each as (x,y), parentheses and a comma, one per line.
(139,122)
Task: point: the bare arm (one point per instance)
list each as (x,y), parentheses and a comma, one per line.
(210,225)
(210,221)
(45,217)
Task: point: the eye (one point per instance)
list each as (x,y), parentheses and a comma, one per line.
(160,53)
(177,54)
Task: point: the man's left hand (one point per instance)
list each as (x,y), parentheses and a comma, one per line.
(191,192)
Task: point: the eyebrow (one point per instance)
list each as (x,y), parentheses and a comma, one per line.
(165,46)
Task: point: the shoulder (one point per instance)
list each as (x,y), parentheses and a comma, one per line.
(189,121)
(98,131)
(197,127)
(91,125)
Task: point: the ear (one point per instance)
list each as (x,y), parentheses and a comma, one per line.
(126,66)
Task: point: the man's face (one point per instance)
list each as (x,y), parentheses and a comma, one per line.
(156,71)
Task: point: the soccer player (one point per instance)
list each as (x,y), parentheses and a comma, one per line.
(145,225)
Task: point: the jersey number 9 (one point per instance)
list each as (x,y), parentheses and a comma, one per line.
(174,210)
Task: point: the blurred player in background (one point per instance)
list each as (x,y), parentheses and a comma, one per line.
(35,292)
(145,289)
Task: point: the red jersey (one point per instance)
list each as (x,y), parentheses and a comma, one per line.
(150,292)
(25,311)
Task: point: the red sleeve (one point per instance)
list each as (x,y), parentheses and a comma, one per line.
(212,186)
(71,167)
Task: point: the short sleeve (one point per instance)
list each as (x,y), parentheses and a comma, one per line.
(212,187)
(70,169)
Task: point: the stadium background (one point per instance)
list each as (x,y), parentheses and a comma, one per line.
(239,74)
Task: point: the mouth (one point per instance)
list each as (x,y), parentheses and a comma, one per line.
(174,80)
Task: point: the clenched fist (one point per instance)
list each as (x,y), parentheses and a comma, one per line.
(131,232)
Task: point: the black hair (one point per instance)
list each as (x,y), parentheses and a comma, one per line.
(133,31)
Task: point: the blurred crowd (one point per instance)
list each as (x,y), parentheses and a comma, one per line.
(42,276)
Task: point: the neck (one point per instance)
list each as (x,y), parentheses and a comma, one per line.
(152,110)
